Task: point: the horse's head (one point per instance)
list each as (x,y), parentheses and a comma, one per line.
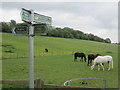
(92,67)
(96,55)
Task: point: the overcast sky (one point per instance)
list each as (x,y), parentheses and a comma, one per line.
(98,18)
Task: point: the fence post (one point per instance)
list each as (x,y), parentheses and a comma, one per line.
(39,83)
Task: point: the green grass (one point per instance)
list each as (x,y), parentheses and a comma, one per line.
(56,66)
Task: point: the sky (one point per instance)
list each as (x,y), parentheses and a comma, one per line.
(98,18)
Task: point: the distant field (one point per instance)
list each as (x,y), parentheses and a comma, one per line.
(56,66)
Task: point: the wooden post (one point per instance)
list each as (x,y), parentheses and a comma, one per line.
(39,83)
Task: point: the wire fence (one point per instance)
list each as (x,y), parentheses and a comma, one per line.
(26,55)
(87,82)
(38,84)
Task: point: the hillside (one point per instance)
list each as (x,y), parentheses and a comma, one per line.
(20,44)
(56,66)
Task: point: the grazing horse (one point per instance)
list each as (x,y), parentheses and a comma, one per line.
(82,55)
(91,57)
(103,59)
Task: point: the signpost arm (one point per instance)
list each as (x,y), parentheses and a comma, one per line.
(31,53)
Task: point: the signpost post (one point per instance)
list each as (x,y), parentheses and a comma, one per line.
(32,19)
(31,52)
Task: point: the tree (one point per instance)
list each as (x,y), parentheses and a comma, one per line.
(107,40)
(5,27)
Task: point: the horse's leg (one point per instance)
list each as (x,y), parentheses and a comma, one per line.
(85,58)
(75,59)
(98,67)
(102,66)
(88,62)
(81,58)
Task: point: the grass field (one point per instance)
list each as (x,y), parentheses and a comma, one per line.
(56,66)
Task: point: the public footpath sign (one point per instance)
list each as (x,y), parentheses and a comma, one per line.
(32,19)
(26,15)
(37,18)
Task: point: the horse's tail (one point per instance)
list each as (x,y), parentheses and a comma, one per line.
(75,57)
(112,64)
(85,58)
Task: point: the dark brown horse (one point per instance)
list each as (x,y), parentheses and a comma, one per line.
(82,55)
(91,57)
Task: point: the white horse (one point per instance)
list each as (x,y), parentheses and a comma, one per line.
(103,59)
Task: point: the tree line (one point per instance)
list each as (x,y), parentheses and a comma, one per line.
(67,32)
(50,31)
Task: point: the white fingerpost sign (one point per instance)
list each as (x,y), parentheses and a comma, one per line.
(37,19)
(33,18)
(26,15)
